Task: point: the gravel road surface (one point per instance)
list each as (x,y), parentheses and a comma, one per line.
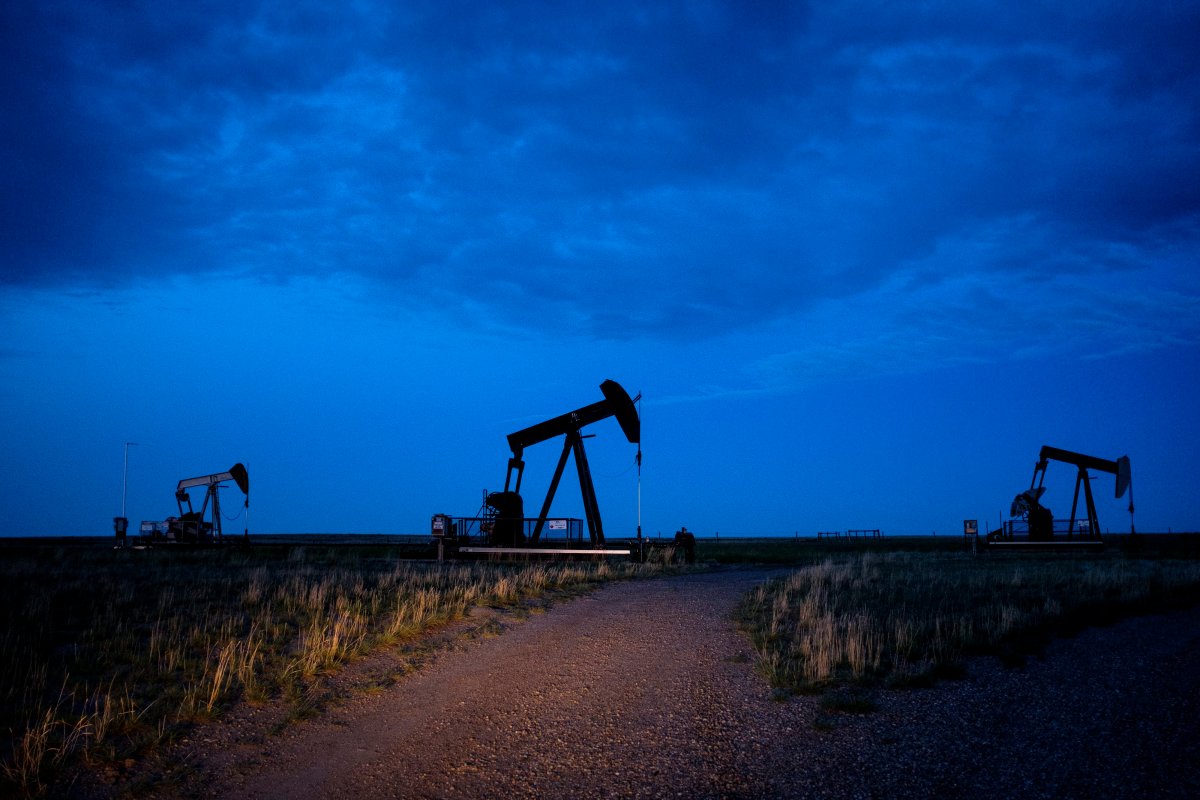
(647,689)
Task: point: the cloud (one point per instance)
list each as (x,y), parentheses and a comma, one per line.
(675,171)
(927,316)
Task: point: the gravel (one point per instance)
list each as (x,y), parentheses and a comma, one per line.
(647,689)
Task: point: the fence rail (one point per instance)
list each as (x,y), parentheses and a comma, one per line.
(1019,529)
(566,530)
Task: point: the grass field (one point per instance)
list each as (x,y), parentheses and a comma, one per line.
(907,612)
(108,653)
(795,551)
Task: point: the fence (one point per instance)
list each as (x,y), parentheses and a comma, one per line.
(1019,529)
(872,532)
(564,530)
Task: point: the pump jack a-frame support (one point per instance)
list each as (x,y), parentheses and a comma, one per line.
(616,403)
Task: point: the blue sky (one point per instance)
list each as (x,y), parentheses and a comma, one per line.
(862,260)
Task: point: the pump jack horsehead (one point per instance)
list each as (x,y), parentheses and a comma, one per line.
(509,526)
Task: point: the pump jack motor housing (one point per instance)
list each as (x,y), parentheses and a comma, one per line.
(509,526)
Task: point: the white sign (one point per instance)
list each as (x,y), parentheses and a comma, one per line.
(971,527)
(558,524)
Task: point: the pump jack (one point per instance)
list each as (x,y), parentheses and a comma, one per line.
(1040,520)
(508,527)
(191,526)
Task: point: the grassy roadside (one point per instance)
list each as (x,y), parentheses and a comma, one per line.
(861,619)
(108,654)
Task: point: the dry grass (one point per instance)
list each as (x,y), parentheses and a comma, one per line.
(907,618)
(108,653)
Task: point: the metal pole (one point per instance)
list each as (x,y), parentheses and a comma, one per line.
(125,476)
(639,492)
(246,521)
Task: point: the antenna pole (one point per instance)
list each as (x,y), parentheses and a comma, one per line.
(125,476)
(639,470)
(246,521)
(1132,529)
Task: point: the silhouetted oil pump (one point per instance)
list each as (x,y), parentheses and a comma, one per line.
(1044,522)
(191,526)
(508,529)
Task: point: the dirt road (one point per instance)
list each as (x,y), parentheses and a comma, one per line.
(646,689)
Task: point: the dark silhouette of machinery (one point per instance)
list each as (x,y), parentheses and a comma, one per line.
(685,546)
(191,526)
(507,507)
(1041,522)
(1027,505)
